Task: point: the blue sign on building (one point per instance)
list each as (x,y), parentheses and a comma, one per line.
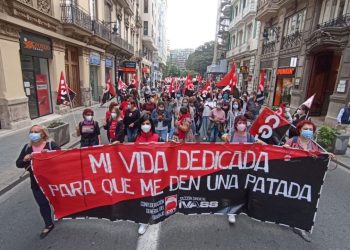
(95,59)
(109,62)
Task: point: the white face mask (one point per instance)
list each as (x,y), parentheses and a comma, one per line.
(235,106)
(241,127)
(146,128)
(299,112)
(89,118)
(114,115)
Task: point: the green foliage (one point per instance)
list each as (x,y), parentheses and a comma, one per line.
(55,123)
(172,70)
(326,136)
(201,58)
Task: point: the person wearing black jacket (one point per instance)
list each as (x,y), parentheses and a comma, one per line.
(115,127)
(131,119)
(301,115)
(38,143)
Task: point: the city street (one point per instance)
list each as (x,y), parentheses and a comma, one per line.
(21,223)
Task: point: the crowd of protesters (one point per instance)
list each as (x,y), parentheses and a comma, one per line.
(182,115)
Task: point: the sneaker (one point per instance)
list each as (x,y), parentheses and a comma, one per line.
(302,234)
(231,218)
(142,228)
(204,139)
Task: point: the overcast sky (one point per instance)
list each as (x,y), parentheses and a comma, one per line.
(191,23)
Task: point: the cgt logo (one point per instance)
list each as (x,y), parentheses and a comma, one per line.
(265,130)
(198,204)
(170,204)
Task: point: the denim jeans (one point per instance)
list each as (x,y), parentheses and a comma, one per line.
(214,133)
(131,133)
(162,133)
(45,209)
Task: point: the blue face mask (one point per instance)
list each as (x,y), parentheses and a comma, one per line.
(34,137)
(308,134)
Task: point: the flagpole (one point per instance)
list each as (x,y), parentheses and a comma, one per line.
(71,104)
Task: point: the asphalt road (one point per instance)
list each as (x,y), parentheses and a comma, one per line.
(20,225)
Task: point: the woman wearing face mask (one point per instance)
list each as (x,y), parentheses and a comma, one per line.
(89,130)
(131,119)
(183,126)
(301,115)
(38,137)
(234,112)
(161,119)
(217,121)
(115,127)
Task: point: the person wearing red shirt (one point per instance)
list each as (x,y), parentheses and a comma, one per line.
(115,127)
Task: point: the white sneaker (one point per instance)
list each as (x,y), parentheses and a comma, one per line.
(142,228)
(231,218)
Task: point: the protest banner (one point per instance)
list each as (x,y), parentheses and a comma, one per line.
(147,183)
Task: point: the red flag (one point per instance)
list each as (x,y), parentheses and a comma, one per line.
(135,82)
(64,94)
(189,83)
(110,87)
(121,84)
(199,78)
(281,110)
(206,88)
(262,81)
(171,85)
(229,79)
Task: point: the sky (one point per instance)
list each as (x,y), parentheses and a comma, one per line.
(191,23)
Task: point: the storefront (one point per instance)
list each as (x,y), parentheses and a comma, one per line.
(35,53)
(95,61)
(109,67)
(284,85)
(127,70)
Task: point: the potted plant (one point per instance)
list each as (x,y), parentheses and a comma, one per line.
(59,132)
(326,137)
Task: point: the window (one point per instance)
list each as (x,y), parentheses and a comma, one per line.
(93,9)
(236,10)
(249,31)
(295,23)
(108,12)
(244,4)
(145,6)
(332,9)
(145,28)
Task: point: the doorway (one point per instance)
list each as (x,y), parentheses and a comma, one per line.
(72,73)
(322,82)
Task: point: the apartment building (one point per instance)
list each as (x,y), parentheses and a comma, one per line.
(243,42)
(178,57)
(304,50)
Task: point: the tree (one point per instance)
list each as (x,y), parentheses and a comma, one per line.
(172,70)
(201,58)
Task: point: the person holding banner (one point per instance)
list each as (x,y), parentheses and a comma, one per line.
(115,127)
(305,130)
(38,137)
(240,132)
(89,130)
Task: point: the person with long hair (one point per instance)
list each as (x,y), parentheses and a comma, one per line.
(38,142)
(131,120)
(183,126)
(115,127)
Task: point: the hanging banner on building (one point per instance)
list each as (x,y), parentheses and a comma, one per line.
(270,127)
(148,183)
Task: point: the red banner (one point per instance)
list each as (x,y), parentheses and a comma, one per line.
(147,183)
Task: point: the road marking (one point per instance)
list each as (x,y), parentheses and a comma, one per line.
(150,239)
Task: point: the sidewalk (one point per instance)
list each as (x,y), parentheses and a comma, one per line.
(12,141)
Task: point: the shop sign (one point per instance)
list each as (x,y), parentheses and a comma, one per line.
(244,70)
(128,70)
(109,62)
(95,59)
(293,61)
(286,71)
(129,64)
(34,45)
(341,88)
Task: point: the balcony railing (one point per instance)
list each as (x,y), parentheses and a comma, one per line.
(101,30)
(292,40)
(269,47)
(44,6)
(71,14)
(117,40)
(263,3)
(342,21)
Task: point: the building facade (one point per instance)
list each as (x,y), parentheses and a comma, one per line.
(243,42)
(178,57)
(88,40)
(304,50)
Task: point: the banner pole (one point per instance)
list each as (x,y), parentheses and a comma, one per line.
(71,105)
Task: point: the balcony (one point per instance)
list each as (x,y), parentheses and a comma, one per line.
(122,44)
(267,9)
(128,7)
(101,31)
(38,12)
(269,47)
(292,41)
(76,22)
(342,21)
(149,43)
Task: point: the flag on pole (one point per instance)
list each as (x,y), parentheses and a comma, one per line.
(228,87)
(262,81)
(171,85)
(206,88)
(121,85)
(308,102)
(65,95)
(230,79)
